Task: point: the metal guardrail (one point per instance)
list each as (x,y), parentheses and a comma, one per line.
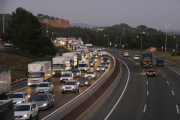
(17,81)
(68,107)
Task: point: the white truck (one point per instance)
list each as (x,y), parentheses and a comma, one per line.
(74,46)
(60,64)
(38,72)
(84,65)
(104,54)
(89,45)
(5,82)
(73,58)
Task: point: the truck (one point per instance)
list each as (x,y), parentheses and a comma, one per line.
(146,59)
(80,54)
(84,65)
(74,46)
(59,64)
(160,61)
(73,58)
(104,54)
(88,45)
(6,110)
(5,82)
(38,72)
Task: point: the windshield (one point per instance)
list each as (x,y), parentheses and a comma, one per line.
(89,46)
(66,75)
(100,66)
(40,98)
(75,70)
(57,66)
(89,72)
(105,58)
(16,96)
(22,108)
(69,83)
(82,65)
(35,75)
(43,85)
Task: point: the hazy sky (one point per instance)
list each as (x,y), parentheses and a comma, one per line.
(152,13)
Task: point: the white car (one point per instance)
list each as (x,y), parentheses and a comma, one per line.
(136,57)
(100,68)
(71,86)
(126,54)
(68,75)
(19,97)
(44,87)
(90,74)
(26,111)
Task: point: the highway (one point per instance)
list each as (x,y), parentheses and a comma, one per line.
(59,98)
(138,97)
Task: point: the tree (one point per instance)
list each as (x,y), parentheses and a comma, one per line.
(23,29)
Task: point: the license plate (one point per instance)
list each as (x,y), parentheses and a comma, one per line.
(82,84)
(41,91)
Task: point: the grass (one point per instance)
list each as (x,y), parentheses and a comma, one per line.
(18,64)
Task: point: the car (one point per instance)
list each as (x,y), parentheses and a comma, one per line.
(126,54)
(19,97)
(26,111)
(105,64)
(70,86)
(105,59)
(68,75)
(100,68)
(82,81)
(91,63)
(90,74)
(150,72)
(44,87)
(76,73)
(136,57)
(44,100)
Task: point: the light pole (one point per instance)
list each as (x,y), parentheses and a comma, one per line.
(3,15)
(141,41)
(46,27)
(176,43)
(166,37)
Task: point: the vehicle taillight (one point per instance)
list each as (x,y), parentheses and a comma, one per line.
(147,72)
(154,72)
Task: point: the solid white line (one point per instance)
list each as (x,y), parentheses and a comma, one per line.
(177,108)
(167,82)
(147,82)
(147,92)
(144,108)
(163,75)
(173,70)
(19,89)
(158,70)
(122,92)
(172,92)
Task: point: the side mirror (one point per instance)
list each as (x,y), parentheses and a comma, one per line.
(32,109)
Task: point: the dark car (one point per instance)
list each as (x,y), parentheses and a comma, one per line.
(105,59)
(44,101)
(83,81)
(150,72)
(105,64)
(91,63)
(76,73)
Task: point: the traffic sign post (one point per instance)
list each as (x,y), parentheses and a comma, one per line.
(122,45)
(110,43)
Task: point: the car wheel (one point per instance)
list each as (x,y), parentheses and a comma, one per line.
(62,92)
(30,118)
(37,116)
(75,92)
(78,90)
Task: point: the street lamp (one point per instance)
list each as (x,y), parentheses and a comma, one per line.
(166,37)
(46,27)
(141,41)
(176,43)
(3,15)
(108,40)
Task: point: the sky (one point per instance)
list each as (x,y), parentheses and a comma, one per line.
(152,13)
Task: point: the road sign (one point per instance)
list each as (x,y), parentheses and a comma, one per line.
(122,45)
(176,44)
(115,45)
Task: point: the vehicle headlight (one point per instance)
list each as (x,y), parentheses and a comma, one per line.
(85,69)
(97,68)
(53,73)
(78,82)
(46,89)
(29,83)
(103,68)
(77,73)
(86,82)
(72,87)
(60,78)
(85,75)
(19,102)
(25,115)
(63,87)
(45,104)
(69,78)
(92,75)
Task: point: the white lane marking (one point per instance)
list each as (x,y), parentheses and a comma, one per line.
(167,82)
(163,75)
(158,70)
(147,82)
(122,92)
(147,92)
(143,71)
(177,108)
(173,70)
(18,89)
(136,63)
(144,108)
(55,112)
(172,92)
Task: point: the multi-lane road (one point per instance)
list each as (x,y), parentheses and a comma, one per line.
(143,98)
